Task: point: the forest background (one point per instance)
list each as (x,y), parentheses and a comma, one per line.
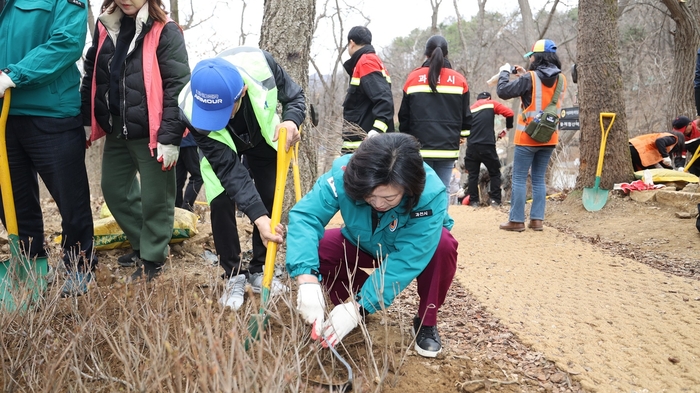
(641,55)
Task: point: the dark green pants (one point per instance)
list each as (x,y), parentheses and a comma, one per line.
(146,217)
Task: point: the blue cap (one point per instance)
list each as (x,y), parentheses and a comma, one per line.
(216,85)
(542,46)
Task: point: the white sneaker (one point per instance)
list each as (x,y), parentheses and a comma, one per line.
(276,287)
(234,292)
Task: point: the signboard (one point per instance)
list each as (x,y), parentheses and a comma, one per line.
(568,119)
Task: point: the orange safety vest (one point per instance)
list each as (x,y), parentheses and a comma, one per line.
(541,97)
(646,147)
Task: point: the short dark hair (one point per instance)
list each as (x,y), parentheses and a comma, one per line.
(360,35)
(391,159)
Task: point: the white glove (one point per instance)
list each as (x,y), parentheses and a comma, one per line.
(5,83)
(88,133)
(342,319)
(493,80)
(502,134)
(371,134)
(312,305)
(167,155)
(667,161)
(505,67)
(680,169)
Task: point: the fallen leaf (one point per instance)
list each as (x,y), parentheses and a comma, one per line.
(674,360)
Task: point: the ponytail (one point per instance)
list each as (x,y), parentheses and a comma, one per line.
(437,62)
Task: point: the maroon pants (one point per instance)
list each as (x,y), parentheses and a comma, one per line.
(341,263)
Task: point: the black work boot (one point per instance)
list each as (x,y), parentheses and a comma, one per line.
(428,343)
(151,269)
(131,259)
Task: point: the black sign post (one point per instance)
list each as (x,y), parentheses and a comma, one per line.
(568,119)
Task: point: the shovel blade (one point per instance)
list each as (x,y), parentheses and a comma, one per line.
(22,282)
(594,198)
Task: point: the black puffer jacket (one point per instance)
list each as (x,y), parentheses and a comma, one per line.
(174,69)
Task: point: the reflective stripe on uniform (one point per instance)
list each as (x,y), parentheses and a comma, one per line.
(380,125)
(351,145)
(439,88)
(440,153)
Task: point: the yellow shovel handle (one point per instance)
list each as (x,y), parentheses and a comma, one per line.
(295,172)
(692,160)
(5,181)
(604,138)
(283,159)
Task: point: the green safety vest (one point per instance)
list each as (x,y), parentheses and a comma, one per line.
(262,92)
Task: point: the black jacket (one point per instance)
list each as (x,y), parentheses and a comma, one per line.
(175,73)
(369,97)
(245,132)
(435,119)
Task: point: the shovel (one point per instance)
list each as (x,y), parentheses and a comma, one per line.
(16,274)
(284,157)
(594,198)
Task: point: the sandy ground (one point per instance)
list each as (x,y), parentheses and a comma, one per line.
(616,324)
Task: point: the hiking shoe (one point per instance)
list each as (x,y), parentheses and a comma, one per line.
(276,287)
(428,343)
(495,204)
(234,292)
(76,283)
(129,260)
(150,269)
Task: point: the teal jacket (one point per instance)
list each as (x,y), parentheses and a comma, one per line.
(406,241)
(41,42)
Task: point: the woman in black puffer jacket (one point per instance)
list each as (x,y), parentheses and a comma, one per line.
(134,72)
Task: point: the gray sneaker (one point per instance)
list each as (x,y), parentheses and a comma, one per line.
(276,287)
(234,292)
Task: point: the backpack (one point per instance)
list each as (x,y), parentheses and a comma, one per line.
(545,123)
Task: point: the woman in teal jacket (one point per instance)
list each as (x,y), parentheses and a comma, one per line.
(396,226)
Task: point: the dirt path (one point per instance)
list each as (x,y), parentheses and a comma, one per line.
(614,323)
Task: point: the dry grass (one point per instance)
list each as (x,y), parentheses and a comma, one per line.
(172,336)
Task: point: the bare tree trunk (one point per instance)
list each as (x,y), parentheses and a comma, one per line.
(243,35)
(434,4)
(175,10)
(91,20)
(600,90)
(686,43)
(286,33)
(529,30)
